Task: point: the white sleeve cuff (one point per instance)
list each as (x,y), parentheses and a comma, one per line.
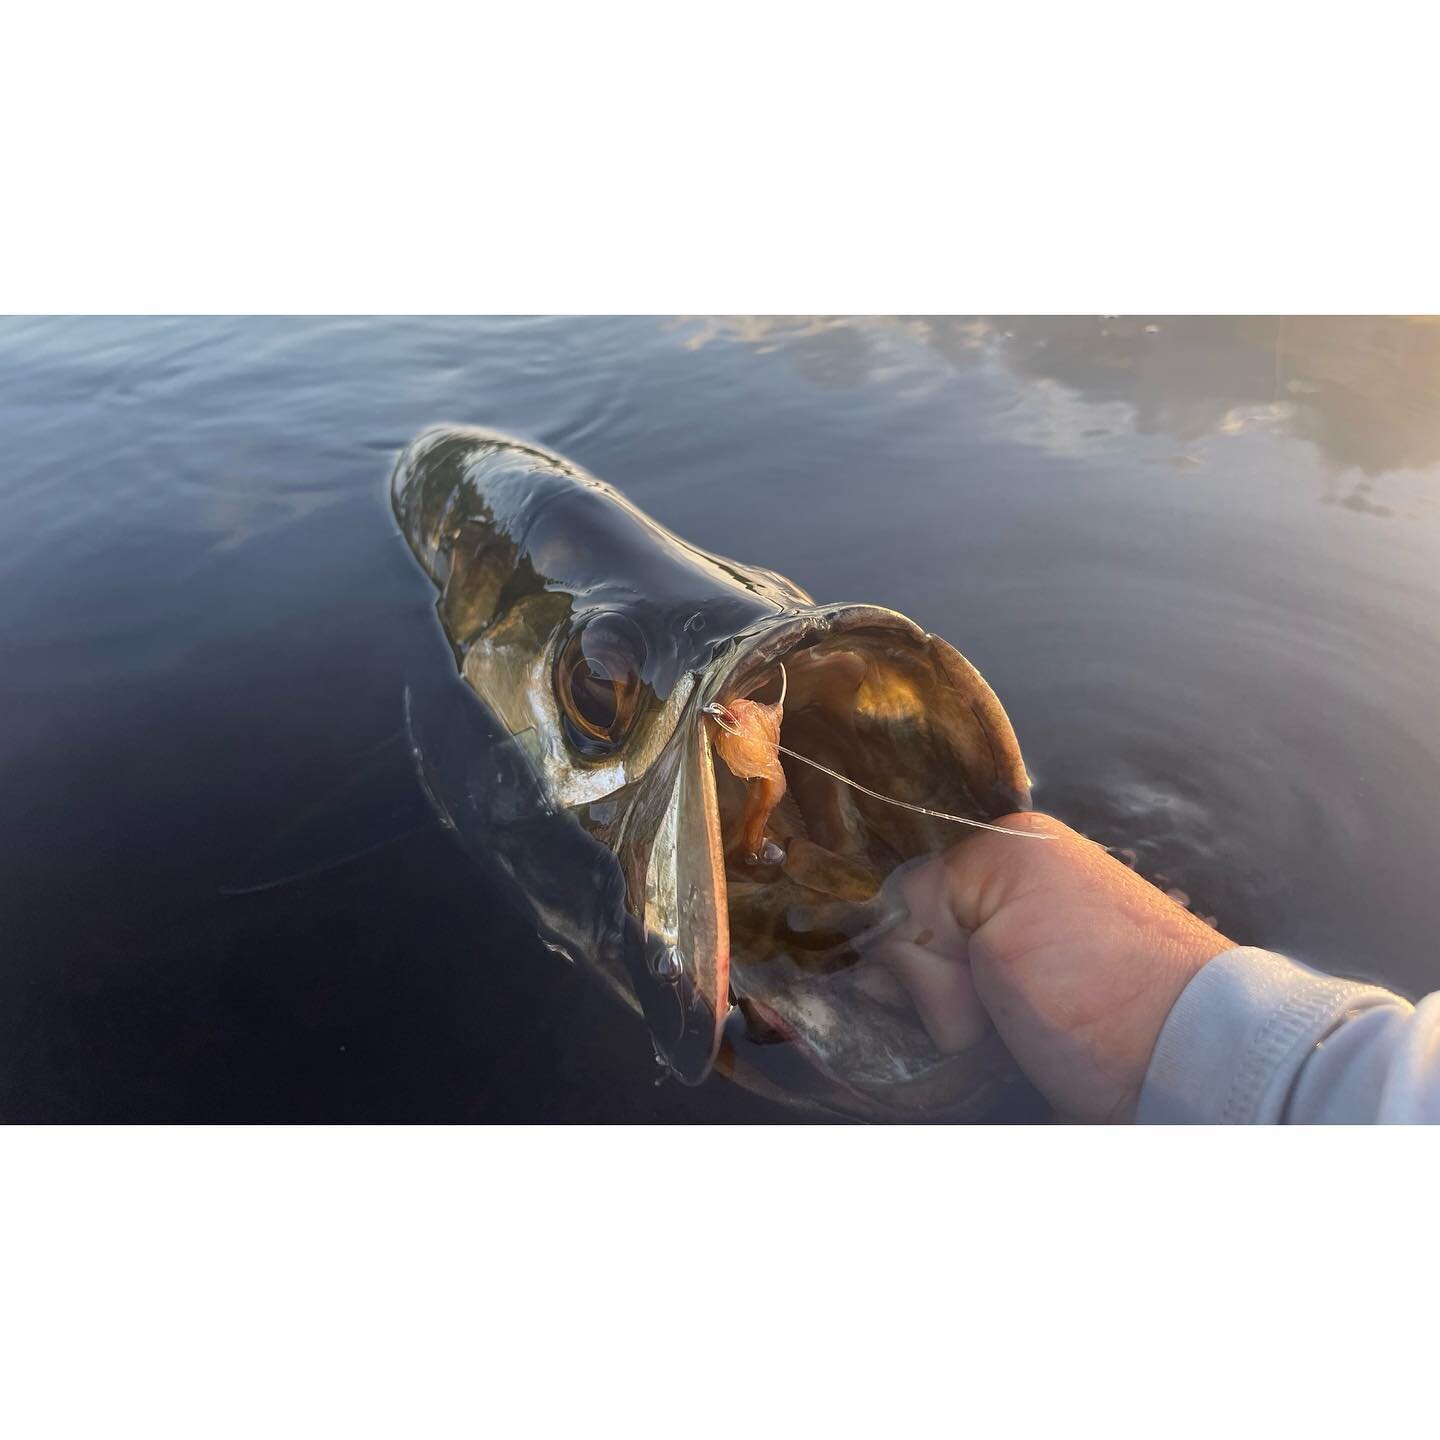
(1233,1046)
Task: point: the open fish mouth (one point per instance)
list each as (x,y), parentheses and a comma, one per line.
(830,939)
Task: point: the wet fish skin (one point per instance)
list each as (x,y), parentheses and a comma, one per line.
(524,547)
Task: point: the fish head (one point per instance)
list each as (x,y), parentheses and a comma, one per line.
(608,652)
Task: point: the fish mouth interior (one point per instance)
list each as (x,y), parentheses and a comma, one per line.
(836,944)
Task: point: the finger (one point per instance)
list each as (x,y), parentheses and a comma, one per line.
(942,991)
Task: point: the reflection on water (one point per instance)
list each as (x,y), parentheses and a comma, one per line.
(208,621)
(1360,388)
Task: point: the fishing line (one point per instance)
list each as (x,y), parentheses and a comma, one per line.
(726,721)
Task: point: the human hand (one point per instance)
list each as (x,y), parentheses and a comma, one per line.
(1076,959)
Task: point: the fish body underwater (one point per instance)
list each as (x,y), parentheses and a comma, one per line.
(599,653)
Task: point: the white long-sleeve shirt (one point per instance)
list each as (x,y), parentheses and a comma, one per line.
(1256,1038)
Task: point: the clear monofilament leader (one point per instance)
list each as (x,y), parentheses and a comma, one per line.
(728,722)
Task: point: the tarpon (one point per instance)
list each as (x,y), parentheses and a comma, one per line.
(601,649)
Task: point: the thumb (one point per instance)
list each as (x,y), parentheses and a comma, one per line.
(985,870)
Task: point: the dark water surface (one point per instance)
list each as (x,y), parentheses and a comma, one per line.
(1198,559)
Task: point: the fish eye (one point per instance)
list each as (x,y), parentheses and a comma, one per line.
(597,683)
